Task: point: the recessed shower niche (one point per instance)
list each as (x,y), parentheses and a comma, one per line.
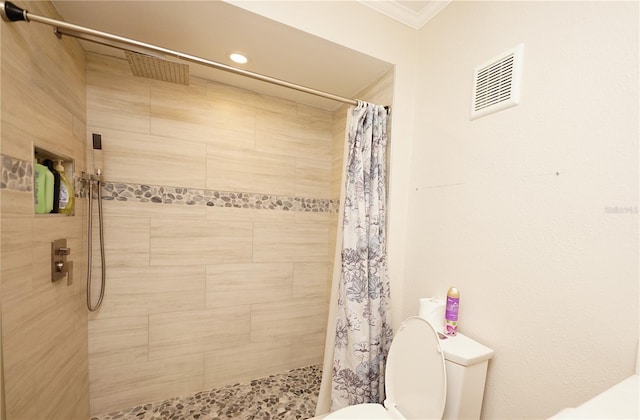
(53,179)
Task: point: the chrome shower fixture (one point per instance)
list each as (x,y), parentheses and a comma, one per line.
(143,65)
(95,181)
(97,153)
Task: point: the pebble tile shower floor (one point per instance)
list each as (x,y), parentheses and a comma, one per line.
(290,395)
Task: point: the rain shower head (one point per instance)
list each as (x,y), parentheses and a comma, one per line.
(143,65)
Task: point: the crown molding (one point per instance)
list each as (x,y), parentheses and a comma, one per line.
(404,14)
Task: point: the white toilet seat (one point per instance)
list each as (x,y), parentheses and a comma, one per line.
(361,411)
(415,377)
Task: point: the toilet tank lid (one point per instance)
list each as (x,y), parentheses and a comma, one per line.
(464,351)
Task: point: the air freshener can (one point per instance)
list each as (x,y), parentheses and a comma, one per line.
(451,312)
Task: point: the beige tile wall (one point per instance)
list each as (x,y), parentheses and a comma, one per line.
(202,296)
(44,325)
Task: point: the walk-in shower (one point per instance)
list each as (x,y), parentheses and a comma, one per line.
(145,60)
(193,281)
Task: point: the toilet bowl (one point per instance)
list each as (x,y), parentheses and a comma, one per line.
(415,378)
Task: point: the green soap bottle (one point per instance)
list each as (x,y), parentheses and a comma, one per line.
(39,188)
(66,191)
(43,189)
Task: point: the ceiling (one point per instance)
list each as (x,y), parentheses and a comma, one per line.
(212,29)
(414,13)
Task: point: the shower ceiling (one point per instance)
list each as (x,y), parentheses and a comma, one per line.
(213,29)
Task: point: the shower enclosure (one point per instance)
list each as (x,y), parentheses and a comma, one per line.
(218,224)
(220,210)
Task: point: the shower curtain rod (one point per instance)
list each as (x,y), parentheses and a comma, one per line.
(12,13)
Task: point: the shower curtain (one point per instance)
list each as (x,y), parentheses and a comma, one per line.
(359,332)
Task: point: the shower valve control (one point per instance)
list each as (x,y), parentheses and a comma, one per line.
(63,251)
(60,267)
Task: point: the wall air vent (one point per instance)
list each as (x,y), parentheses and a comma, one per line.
(496,83)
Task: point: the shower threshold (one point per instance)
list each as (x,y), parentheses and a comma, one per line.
(289,395)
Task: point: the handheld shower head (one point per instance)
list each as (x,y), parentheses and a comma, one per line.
(97,153)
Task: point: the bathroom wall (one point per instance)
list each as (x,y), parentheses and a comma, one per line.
(532,212)
(216,235)
(44,325)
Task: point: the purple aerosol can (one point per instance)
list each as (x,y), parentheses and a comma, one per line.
(451,312)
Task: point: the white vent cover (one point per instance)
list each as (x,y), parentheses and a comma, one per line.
(496,83)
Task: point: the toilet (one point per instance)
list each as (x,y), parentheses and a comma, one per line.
(428,377)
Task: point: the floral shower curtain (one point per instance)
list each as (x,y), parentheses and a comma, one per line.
(362,325)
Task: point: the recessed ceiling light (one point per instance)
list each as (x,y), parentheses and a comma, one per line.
(238,57)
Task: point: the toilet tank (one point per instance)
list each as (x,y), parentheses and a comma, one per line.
(466,363)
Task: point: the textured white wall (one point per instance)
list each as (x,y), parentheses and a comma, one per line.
(548,277)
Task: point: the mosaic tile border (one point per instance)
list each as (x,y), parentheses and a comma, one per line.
(17,174)
(159,194)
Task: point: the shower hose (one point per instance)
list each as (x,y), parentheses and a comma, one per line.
(90,306)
